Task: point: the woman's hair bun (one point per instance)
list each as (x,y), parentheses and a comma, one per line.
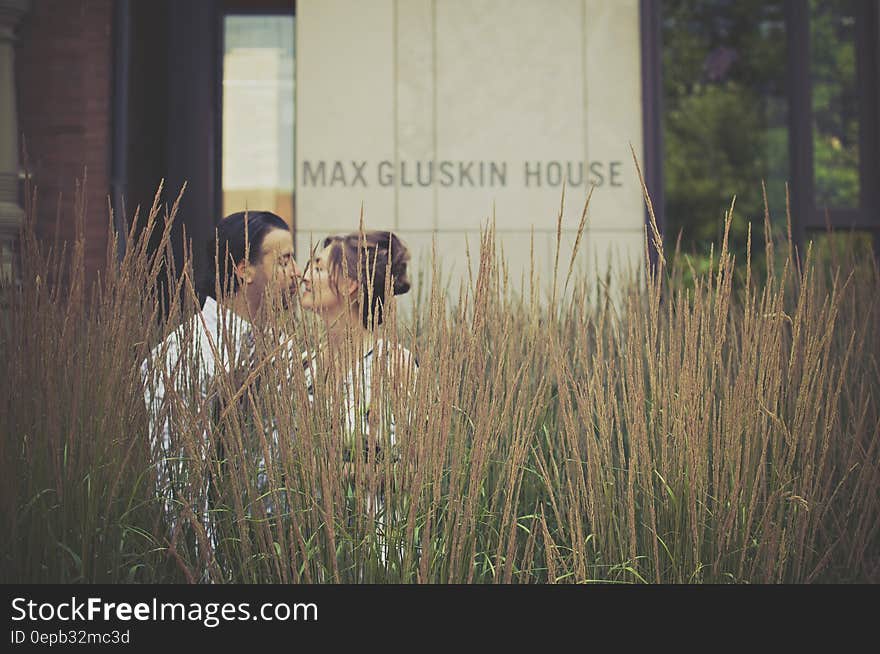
(399,260)
(401,283)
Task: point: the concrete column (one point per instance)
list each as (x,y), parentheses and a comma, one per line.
(11,214)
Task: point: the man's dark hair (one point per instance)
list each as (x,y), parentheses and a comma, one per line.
(237,236)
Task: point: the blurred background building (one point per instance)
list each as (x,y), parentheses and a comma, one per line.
(436,115)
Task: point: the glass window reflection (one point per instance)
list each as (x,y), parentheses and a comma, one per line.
(258,114)
(835,103)
(725,116)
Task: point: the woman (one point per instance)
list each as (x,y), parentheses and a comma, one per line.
(349,285)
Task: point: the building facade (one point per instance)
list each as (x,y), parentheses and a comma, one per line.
(434,117)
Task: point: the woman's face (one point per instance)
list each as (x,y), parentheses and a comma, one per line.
(319,294)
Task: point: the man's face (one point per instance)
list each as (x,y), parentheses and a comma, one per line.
(276,272)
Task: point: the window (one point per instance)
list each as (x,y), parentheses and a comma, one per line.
(258,114)
(835,103)
(773,90)
(725,118)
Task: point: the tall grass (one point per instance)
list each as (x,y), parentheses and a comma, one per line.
(678,427)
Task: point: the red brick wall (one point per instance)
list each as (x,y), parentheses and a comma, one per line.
(64,80)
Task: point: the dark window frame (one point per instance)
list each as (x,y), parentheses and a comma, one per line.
(806,215)
(809,216)
(262,7)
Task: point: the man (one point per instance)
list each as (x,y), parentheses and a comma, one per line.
(252,267)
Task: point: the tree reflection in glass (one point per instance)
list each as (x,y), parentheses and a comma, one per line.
(725,117)
(835,103)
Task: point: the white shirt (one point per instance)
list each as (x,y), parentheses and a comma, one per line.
(358,386)
(185,365)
